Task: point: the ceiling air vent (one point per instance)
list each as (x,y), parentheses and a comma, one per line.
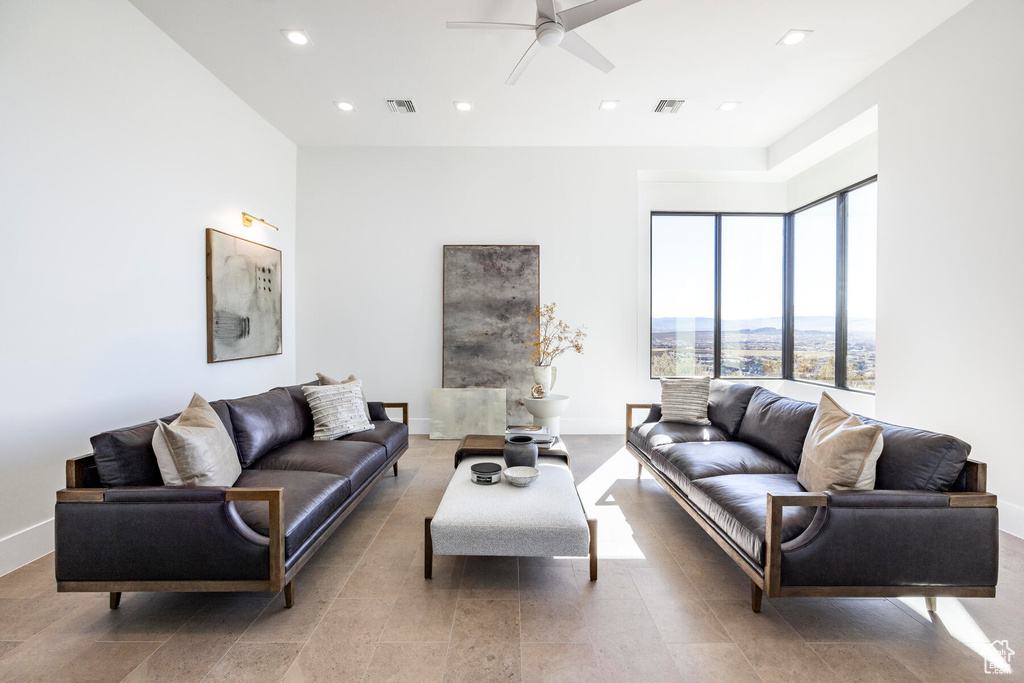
(668,106)
(402,106)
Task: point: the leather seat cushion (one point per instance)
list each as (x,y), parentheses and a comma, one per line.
(394,436)
(649,435)
(263,422)
(738,504)
(713,459)
(777,425)
(354,460)
(310,498)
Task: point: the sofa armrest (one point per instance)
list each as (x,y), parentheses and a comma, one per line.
(885,538)
(378,411)
(630,407)
(166,534)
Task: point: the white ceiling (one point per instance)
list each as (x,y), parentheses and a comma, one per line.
(703,51)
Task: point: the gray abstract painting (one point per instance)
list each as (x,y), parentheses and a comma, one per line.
(243,298)
(489,292)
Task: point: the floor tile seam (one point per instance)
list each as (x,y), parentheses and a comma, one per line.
(164,642)
(905,667)
(451,632)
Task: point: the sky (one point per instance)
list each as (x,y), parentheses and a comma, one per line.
(683,255)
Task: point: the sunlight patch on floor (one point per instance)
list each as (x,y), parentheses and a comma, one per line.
(614,534)
(955,618)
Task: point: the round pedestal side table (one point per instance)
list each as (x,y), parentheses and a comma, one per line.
(547,411)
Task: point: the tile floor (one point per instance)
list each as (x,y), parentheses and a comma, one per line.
(668,606)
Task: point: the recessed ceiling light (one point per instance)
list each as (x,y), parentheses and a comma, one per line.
(295,36)
(728,106)
(794,36)
(463,106)
(344,106)
(608,105)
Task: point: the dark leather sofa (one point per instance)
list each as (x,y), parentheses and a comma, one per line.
(118,528)
(927,529)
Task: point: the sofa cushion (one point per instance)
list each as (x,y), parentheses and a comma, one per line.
(727,402)
(916,459)
(302,405)
(264,422)
(738,505)
(713,459)
(649,435)
(777,425)
(393,436)
(356,461)
(309,500)
(125,457)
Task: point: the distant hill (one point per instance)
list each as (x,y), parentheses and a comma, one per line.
(809,323)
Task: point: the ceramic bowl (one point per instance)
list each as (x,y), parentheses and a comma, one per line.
(521,476)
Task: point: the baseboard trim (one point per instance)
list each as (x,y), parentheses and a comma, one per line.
(25,546)
(1011,518)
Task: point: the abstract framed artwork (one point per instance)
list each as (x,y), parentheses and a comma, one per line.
(243,298)
(489,293)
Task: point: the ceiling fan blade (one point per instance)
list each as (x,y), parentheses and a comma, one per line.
(572,42)
(546,9)
(574,17)
(531,52)
(488,24)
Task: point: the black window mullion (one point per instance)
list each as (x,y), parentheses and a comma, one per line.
(718,296)
(841,282)
(788,321)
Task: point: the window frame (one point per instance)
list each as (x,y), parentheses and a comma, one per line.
(788,270)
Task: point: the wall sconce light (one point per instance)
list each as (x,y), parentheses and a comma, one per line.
(248,218)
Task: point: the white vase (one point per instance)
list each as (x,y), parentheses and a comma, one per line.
(545,375)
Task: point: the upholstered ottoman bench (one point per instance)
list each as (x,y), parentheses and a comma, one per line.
(544,519)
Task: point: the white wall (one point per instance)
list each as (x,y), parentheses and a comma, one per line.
(373,222)
(950,238)
(117,150)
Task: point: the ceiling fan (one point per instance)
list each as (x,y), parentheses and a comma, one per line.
(557,28)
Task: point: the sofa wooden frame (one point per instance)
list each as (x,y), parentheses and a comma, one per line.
(767,580)
(279,578)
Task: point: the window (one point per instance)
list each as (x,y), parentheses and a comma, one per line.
(789,296)
(682,296)
(814,293)
(861,227)
(751,296)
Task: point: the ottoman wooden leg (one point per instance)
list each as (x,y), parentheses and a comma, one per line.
(428,550)
(592,523)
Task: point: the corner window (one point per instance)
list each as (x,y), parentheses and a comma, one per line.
(775,296)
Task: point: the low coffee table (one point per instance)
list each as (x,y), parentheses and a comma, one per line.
(543,519)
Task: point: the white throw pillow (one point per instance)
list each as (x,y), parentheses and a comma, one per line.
(685,399)
(337,410)
(195,449)
(326,381)
(840,452)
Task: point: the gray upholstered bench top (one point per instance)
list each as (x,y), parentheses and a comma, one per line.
(541,520)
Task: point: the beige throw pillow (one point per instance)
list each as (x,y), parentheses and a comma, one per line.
(195,449)
(327,381)
(685,399)
(337,410)
(840,451)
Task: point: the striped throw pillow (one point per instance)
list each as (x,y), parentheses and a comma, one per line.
(337,410)
(685,399)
